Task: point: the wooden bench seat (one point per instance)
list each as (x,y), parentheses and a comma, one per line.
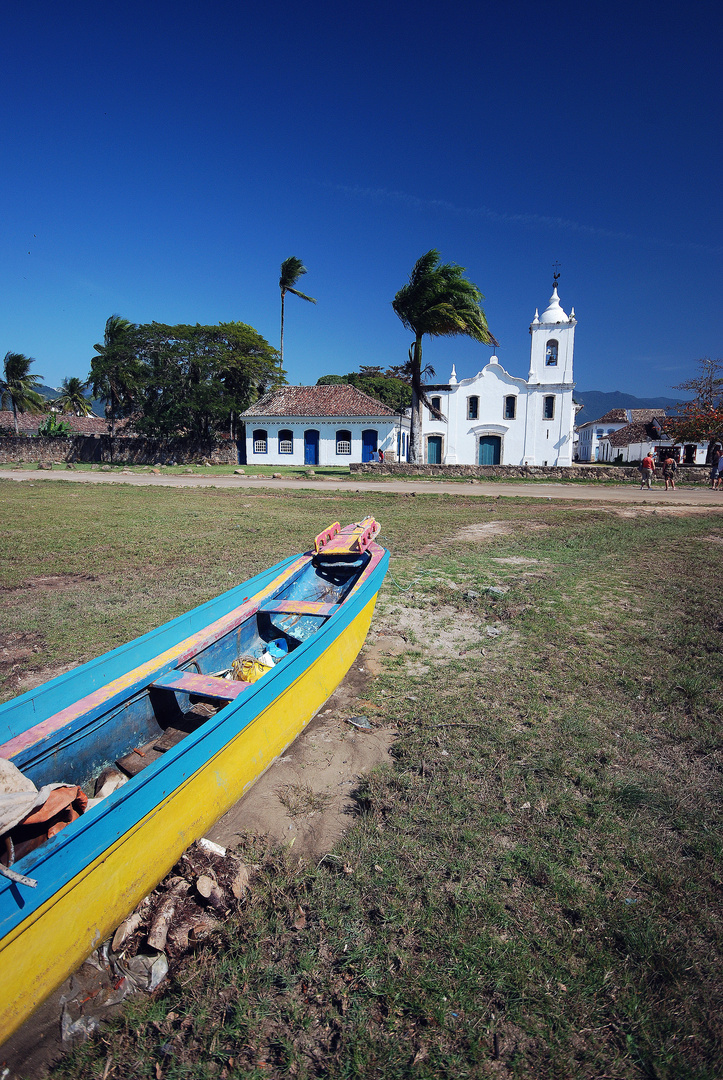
(189,682)
(298,607)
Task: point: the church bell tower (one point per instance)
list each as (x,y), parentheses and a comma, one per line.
(552,342)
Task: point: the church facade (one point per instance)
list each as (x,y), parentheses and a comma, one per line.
(495,418)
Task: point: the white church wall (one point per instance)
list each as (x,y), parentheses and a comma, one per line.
(532,419)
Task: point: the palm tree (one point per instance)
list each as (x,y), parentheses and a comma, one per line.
(72,397)
(291,270)
(441,302)
(113,373)
(17,387)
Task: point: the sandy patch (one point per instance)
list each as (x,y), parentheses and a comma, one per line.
(664,511)
(305,798)
(483,530)
(515,560)
(49,581)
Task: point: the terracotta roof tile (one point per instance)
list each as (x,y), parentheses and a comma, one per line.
(640,431)
(339,400)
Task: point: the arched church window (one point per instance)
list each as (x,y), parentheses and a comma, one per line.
(548,409)
(472,408)
(510,407)
(551,353)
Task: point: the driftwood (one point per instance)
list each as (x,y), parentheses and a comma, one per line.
(125,930)
(191,930)
(240,883)
(213,893)
(164,915)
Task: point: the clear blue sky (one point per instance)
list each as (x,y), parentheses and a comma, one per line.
(160,160)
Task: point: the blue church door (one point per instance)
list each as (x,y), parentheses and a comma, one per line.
(490,450)
(434,450)
(369,444)
(311,447)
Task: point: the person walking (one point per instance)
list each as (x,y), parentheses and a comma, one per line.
(669,467)
(714,462)
(647,471)
(718,484)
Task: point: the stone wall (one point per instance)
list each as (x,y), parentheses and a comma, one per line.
(620,473)
(101,449)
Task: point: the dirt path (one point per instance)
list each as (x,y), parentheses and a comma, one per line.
(533,489)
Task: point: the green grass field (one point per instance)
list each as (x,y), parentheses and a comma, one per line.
(533,887)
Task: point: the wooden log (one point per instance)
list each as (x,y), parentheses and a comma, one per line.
(211,891)
(125,930)
(240,883)
(164,916)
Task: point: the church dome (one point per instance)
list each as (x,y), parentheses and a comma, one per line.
(554,312)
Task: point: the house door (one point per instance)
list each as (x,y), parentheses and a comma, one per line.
(311,447)
(434,450)
(490,450)
(369,444)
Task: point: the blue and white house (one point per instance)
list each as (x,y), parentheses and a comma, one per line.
(322,425)
(495,418)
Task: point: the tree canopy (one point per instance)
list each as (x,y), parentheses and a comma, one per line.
(182,379)
(72,397)
(700,420)
(291,270)
(18,386)
(198,379)
(386,386)
(115,372)
(438,301)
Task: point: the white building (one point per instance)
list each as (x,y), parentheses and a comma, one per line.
(322,425)
(495,418)
(632,442)
(589,435)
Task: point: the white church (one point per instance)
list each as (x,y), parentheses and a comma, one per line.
(494,418)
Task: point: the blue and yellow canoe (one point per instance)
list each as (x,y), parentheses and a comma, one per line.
(311,612)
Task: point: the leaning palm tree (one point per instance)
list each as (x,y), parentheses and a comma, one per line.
(113,372)
(291,270)
(17,386)
(72,397)
(439,301)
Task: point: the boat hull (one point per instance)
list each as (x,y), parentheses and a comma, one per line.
(113,868)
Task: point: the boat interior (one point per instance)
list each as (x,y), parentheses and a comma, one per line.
(129,734)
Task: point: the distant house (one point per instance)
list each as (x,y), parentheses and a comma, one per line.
(322,425)
(589,435)
(79,425)
(633,441)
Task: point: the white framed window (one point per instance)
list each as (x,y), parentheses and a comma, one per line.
(436,404)
(261,442)
(343,442)
(286,441)
(548,407)
(551,353)
(510,407)
(472,408)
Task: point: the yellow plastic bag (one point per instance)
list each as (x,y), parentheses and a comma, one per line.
(248,669)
